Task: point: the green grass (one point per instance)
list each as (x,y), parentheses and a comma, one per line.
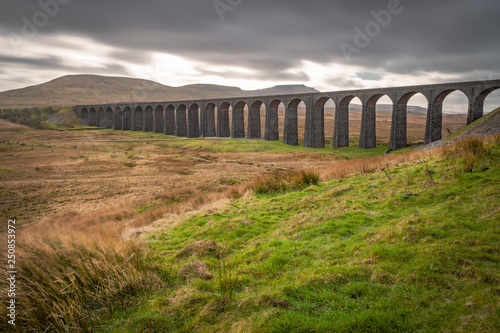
(277,147)
(244,145)
(362,254)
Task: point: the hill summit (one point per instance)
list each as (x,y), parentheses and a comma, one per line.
(93,89)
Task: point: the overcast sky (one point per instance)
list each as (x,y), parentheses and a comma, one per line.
(326,44)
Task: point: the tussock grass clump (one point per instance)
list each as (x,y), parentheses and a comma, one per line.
(202,248)
(468,152)
(227,280)
(280,182)
(196,269)
(69,286)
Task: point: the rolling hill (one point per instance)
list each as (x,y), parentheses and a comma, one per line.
(93,89)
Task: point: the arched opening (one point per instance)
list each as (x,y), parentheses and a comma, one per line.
(383,114)
(487,101)
(92,117)
(347,121)
(274,123)
(117,119)
(108,118)
(101,118)
(127,119)
(148,125)
(208,122)
(193,121)
(181,121)
(223,130)
(323,122)
(238,121)
(158,119)
(296,109)
(169,126)
(301,120)
(85,117)
(490,100)
(416,115)
(355,115)
(412,131)
(376,121)
(455,107)
(138,119)
(255,120)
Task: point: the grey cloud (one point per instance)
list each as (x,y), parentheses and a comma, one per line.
(57,64)
(51,61)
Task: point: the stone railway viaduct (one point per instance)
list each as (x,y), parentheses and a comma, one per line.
(196,118)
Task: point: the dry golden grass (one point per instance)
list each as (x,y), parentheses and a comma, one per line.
(196,269)
(469,150)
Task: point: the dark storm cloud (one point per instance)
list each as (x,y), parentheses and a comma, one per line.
(50,62)
(56,64)
(271,37)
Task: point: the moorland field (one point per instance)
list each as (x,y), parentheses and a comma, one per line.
(123,231)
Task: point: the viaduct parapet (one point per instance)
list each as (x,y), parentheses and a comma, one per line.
(210,117)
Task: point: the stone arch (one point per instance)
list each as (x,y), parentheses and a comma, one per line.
(169,120)
(440,125)
(108,118)
(208,121)
(117,119)
(158,124)
(477,108)
(148,124)
(93,117)
(223,130)
(238,120)
(272,130)
(101,117)
(368,133)
(138,119)
(127,119)
(181,121)
(291,130)
(254,120)
(193,121)
(324,110)
(399,130)
(341,132)
(84,117)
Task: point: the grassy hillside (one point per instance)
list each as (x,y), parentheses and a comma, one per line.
(92,89)
(417,252)
(415,249)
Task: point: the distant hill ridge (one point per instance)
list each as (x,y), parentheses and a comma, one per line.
(94,89)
